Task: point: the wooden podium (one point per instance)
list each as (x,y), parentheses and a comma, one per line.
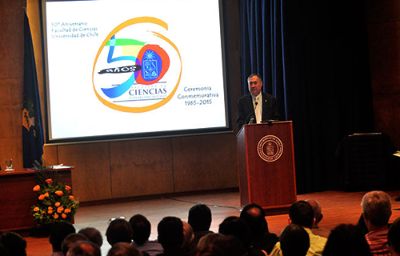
(17,197)
(267,165)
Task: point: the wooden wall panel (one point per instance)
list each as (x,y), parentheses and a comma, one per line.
(205,162)
(91,173)
(11,138)
(383,20)
(11,78)
(141,167)
(11,39)
(11,118)
(50,155)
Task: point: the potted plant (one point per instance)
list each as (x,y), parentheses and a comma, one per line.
(55,201)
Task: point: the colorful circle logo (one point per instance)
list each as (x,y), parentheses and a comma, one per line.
(137,68)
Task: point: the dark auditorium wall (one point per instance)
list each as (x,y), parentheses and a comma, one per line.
(119,169)
(383,20)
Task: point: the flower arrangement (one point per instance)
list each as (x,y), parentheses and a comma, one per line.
(55,202)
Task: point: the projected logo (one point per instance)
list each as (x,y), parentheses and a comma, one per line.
(137,67)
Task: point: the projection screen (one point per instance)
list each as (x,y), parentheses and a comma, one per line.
(118,69)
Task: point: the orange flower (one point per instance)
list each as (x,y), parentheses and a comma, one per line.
(46,194)
(67,210)
(36,209)
(55,216)
(60,209)
(57,204)
(50,208)
(49,181)
(50,211)
(41,197)
(59,193)
(36,188)
(64,216)
(68,188)
(71,197)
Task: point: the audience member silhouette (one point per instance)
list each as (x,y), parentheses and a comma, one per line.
(93,234)
(13,244)
(317,212)
(119,230)
(301,213)
(84,248)
(58,232)
(294,241)
(200,219)
(170,236)
(245,235)
(361,225)
(70,240)
(260,237)
(188,244)
(3,250)
(346,240)
(214,244)
(237,227)
(123,249)
(141,230)
(377,209)
(394,238)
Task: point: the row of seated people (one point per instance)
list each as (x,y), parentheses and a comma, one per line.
(244,235)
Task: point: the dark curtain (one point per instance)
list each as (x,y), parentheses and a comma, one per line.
(262,49)
(313,56)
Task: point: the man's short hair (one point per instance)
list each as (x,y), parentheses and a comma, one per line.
(122,248)
(141,228)
(84,248)
(317,211)
(219,244)
(346,239)
(294,240)
(199,217)
(254,215)
(119,230)
(70,240)
(13,243)
(93,234)
(237,227)
(301,213)
(170,233)
(58,232)
(377,208)
(254,74)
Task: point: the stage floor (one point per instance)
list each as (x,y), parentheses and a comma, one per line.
(337,207)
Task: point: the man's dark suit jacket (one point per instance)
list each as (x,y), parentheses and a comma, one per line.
(246,109)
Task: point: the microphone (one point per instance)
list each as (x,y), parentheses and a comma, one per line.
(270,121)
(37,165)
(251,118)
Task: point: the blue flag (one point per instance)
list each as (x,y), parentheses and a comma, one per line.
(32,132)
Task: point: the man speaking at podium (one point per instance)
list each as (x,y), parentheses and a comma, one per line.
(257,107)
